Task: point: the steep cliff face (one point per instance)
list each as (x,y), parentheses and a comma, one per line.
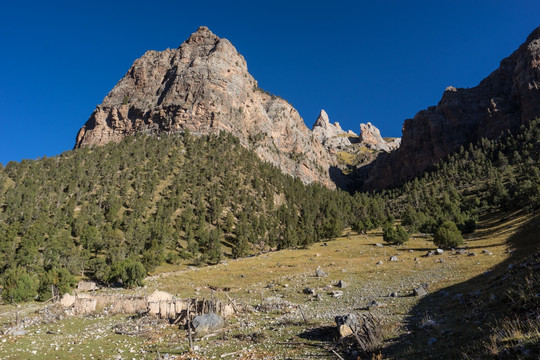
(204,86)
(507,98)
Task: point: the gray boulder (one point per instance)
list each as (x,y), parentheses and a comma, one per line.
(320,273)
(422,290)
(207,322)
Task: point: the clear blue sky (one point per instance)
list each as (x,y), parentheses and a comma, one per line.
(377,61)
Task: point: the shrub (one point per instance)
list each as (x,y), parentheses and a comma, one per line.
(18,285)
(395,235)
(447,235)
(60,280)
(129,272)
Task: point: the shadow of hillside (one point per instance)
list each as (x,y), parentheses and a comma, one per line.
(464,314)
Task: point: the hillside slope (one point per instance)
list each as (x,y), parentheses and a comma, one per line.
(150,199)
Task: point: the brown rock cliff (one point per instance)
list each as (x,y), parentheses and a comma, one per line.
(507,98)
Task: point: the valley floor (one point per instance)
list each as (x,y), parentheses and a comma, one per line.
(294,325)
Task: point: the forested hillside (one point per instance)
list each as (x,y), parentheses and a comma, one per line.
(491,175)
(111,211)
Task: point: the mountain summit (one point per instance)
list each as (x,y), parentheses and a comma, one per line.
(204,86)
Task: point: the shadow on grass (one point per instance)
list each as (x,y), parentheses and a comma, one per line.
(456,322)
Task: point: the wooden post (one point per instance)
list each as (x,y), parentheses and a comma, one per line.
(302,313)
(233,304)
(189,329)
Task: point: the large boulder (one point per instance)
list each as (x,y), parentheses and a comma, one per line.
(206,323)
(347,324)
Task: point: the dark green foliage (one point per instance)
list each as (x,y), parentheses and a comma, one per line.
(18,285)
(447,236)
(395,235)
(58,280)
(129,272)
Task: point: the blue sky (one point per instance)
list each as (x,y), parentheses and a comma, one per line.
(376,61)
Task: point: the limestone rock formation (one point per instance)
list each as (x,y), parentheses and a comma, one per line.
(506,99)
(371,138)
(330,135)
(204,86)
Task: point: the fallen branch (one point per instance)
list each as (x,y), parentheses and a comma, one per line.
(337,354)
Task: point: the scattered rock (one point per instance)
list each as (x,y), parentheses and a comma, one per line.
(319,297)
(16,331)
(308,291)
(428,324)
(328,288)
(472,254)
(206,323)
(374,304)
(379,245)
(379,262)
(320,273)
(393,294)
(439,251)
(341,284)
(336,293)
(432,341)
(462,251)
(422,290)
(394,258)
(429,253)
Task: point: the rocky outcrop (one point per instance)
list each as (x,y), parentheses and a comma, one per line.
(330,135)
(204,86)
(371,138)
(506,99)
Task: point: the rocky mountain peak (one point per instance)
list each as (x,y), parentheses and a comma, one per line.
(203,35)
(330,135)
(204,87)
(322,120)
